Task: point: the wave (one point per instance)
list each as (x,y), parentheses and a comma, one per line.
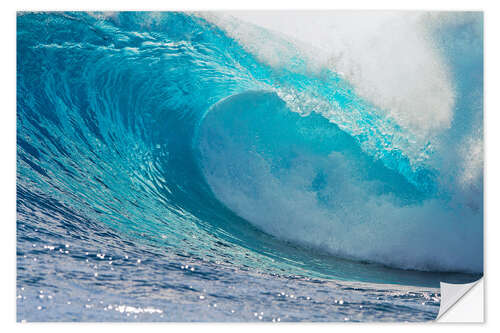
(202,131)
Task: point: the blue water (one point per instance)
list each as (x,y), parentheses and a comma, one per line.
(167,173)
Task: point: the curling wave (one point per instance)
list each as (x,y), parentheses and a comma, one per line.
(180,130)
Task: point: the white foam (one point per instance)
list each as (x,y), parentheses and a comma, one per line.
(355,223)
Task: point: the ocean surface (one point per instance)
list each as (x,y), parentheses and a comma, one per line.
(233,167)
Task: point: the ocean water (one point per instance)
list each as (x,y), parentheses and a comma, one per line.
(247,166)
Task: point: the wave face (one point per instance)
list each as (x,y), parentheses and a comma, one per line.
(215,137)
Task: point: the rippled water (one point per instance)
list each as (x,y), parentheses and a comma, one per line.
(78,283)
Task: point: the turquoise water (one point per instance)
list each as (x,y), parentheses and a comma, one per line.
(167,173)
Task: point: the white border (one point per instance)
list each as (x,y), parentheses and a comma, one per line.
(8,144)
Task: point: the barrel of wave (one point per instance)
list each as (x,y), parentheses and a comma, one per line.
(304,180)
